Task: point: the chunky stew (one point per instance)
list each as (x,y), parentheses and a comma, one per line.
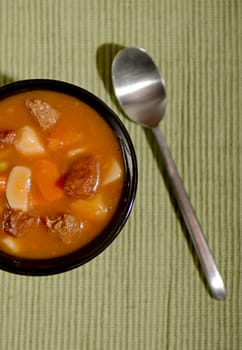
(61,174)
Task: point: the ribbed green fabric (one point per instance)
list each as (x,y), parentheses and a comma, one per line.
(145,292)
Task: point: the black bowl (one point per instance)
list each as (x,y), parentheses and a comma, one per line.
(60,264)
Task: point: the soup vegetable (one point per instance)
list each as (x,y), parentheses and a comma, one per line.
(61,174)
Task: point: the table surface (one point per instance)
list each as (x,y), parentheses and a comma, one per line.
(146,290)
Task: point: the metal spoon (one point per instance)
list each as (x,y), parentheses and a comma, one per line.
(141,93)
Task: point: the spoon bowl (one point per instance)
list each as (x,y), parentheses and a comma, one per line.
(139,86)
(140,90)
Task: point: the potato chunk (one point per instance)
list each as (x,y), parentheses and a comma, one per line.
(11,243)
(18,187)
(91,208)
(27,142)
(113,173)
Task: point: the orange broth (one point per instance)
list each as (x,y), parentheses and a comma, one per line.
(79,130)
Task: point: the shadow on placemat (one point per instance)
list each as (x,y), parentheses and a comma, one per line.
(5,79)
(104,57)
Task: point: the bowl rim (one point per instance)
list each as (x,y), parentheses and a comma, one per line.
(50,266)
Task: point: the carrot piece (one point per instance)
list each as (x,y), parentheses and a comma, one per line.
(63,135)
(46,176)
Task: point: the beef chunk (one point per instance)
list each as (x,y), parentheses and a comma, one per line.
(64,226)
(44,114)
(83,177)
(6,137)
(16,222)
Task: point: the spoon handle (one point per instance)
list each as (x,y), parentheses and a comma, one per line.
(208,265)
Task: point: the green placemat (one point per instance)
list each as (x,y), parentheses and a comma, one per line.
(145,292)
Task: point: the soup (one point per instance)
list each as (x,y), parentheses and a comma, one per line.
(61,174)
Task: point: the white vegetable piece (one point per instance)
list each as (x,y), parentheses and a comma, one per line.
(113,173)
(27,142)
(18,187)
(76,151)
(11,243)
